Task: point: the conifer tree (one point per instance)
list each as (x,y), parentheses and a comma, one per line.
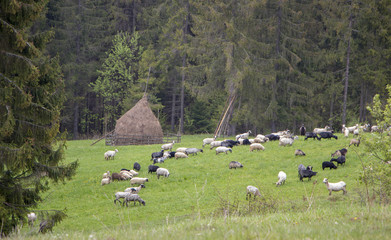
(32,94)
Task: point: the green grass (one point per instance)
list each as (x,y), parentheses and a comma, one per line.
(186,205)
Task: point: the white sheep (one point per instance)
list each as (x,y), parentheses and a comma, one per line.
(351,129)
(162,172)
(106,174)
(135,190)
(110,154)
(138,180)
(105,181)
(251,190)
(281,178)
(207,141)
(215,144)
(374,128)
(319,130)
(335,186)
(259,140)
(126,175)
(243,135)
(256,146)
(356,132)
(223,150)
(119,195)
(134,173)
(180,155)
(31,218)
(168,146)
(286,141)
(346,132)
(181,149)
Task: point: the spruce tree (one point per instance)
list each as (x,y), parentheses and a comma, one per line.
(32,94)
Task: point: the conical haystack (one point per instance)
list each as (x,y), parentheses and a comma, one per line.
(138,126)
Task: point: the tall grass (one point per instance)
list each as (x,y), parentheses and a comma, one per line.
(203,198)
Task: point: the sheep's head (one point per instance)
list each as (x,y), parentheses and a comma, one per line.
(325,180)
(116,150)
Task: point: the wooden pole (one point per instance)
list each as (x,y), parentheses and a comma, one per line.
(222,120)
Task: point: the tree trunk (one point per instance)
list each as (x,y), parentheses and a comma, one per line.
(134,16)
(362,107)
(173,109)
(76,121)
(332,109)
(76,103)
(345,94)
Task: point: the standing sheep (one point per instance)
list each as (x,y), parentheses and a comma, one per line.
(223,150)
(138,180)
(152,168)
(215,144)
(193,151)
(134,198)
(281,178)
(135,190)
(256,146)
(136,166)
(286,141)
(355,142)
(243,135)
(335,186)
(251,190)
(110,154)
(207,141)
(234,164)
(162,172)
(168,146)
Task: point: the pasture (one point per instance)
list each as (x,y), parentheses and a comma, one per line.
(203,197)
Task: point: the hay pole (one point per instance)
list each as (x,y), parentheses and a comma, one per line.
(146,86)
(102,138)
(225,114)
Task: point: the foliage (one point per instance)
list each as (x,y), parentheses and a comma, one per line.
(32,94)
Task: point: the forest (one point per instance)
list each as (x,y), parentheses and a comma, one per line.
(285,63)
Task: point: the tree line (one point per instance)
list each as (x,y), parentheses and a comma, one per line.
(284,63)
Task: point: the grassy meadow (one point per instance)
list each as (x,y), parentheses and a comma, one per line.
(202,198)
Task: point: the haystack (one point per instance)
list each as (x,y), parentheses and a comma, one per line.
(138,126)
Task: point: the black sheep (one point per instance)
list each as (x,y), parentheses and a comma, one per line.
(233,142)
(246,142)
(340,160)
(306,174)
(136,166)
(328,165)
(311,135)
(328,135)
(343,151)
(273,137)
(152,168)
(302,130)
(157,154)
(227,144)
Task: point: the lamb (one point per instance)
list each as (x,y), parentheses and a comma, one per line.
(31,218)
(243,135)
(207,141)
(286,141)
(106,174)
(256,146)
(299,152)
(157,154)
(136,166)
(193,151)
(251,190)
(180,155)
(234,164)
(119,195)
(328,165)
(134,198)
(110,154)
(355,142)
(223,150)
(311,135)
(152,168)
(168,146)
(215,144)
(328,135)
(162,172)
(105,181)
(138,180)
(135,190)
(281,178)
(340,160)
(335,186)
(181,149)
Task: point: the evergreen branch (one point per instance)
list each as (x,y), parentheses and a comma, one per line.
(12,82)
(13,29)
(32,124)
(19,56)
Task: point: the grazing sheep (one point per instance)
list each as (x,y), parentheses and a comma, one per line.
(105,181)
(374,128)
(159,160)
(193,151)
(232,142)
(256,146)
(302,130)
(136,166)
(301,167)
(223,150)
(168,146)
(273,137)
(311,135)
(251,190)
(355,142)
(351,129)
(134,173)
(306,174)
(335,186)
(243,135)
(117,176)
(31,218)
(356,132)
(227,144)
(235,164)
(258,140)
(262,137)
(346,132)
(162,172)
(135,190)
(285,141)
(340,160)
(328,165)
(341,152)
(215,144)
(134,198)
(281,178)
(319,130)
(328,135)
(299,152)
(157,154)
(138,180)
(244,142)
(106,174)
(181,149)
(152,168)
(119,195)
(126,174)
(207,141)
(171,154)
(180,155)
(110,154)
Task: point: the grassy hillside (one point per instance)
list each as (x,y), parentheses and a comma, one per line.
(202,190)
